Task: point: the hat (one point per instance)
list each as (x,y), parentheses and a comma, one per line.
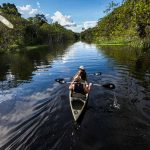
(82,67)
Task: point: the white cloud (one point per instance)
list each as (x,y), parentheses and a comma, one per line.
(38,4)
(48,17)
(27,11)
(62,20)
(5,97)
(78,28)
(81,27)
(90,24)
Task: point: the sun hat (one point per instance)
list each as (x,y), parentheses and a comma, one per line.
(82,68)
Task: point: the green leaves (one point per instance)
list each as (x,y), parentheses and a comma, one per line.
(112,5)
(31,31)
(9,9)
(39,19)
(129,22)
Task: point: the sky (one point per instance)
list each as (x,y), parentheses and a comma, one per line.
(72,14)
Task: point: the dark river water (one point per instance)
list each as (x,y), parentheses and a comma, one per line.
(35,112)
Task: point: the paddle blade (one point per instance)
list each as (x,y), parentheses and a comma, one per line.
(6,22)
(97,73)
(60,80)
(109,85)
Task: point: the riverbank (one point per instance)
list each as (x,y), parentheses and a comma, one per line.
(25,48)
(111,42)
(127,24)
(34,47)
(30,32)
(137,43)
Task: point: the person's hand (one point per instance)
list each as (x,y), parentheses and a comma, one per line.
(90,84)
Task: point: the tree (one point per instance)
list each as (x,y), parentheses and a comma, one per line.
(35,30)
(9,9)
(111,6)
(39,19)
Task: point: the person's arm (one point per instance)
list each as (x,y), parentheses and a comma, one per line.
(71,87)
(87,88)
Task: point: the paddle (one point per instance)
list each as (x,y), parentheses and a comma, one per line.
(6,22)
(96,74)
(62,81)
(106,85)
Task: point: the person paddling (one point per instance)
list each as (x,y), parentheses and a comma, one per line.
(79,87)
(81,74)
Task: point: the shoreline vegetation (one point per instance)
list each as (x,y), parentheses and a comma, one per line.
(35,47)
(31,32)
(124,24)
(127,23)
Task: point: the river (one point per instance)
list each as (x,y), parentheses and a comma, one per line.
(35,111)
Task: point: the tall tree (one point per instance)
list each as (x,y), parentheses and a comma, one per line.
(9,9)
(111,6)
(39,19)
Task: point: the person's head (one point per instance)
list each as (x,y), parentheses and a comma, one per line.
(82,68)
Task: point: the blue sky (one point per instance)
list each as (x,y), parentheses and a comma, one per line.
(73,14)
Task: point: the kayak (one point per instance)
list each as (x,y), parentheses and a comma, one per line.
(77,103)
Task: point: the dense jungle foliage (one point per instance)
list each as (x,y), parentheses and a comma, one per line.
(128,24)
(32,31)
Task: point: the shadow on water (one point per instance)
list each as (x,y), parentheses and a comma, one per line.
(137,60)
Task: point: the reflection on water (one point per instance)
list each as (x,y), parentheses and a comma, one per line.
(35,112)
(22,65)
(136,60)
